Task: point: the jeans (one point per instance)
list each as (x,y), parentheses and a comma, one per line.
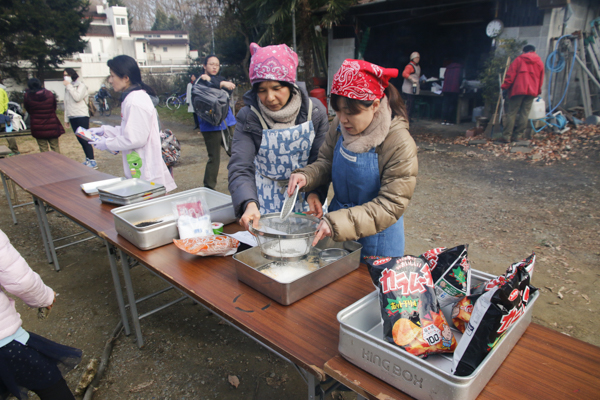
(449,103)
(517,114)
(84,122)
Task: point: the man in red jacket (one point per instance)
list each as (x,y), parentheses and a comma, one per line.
(522,84)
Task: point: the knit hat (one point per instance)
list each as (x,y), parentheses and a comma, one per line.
(361,80)
(414,55)
(272,63)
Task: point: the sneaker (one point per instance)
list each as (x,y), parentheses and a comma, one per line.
(91,163)
(443,122)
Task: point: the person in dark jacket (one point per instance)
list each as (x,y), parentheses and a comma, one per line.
(523,82)
(212,133)
(452,78)
(279,130)
(41,106)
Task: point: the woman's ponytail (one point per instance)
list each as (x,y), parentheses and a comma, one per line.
(395,101)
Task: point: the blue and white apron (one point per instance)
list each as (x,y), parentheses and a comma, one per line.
(281,152)
(356,181)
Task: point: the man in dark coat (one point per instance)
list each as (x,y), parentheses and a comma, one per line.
(522,84)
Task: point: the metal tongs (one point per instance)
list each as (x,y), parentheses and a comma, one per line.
(288,204)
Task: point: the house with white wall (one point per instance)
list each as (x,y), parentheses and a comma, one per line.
(109,36)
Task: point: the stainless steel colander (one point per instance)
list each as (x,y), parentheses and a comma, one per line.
(289,240)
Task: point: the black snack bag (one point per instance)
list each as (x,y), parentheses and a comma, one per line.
(411,315)
(451,273)
(502,303)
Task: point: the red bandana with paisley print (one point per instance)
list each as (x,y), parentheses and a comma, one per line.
(361,80)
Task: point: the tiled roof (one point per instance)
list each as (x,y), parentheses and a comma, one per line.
(164,42)
(100,30)
(160,32)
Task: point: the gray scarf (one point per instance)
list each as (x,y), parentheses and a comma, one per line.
(284,118)
(374,134)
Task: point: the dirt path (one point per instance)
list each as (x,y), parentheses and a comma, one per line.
(504,209)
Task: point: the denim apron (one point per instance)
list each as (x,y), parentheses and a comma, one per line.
(356,181)
(281,152)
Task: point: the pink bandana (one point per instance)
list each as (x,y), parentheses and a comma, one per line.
(361,80)
(272,63)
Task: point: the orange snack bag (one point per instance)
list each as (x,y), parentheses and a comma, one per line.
(214,245)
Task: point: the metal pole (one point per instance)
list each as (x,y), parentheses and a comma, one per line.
(294,28)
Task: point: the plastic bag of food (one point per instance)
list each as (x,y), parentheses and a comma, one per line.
(193,217)
(451,273)
(411,315)
(496,310)
(214,245)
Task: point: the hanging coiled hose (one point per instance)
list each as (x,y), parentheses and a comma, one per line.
(555,63)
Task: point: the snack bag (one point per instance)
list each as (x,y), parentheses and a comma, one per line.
(412,318)
(461,312)
(451,273)
(215,245)
(193,217)
(494,312)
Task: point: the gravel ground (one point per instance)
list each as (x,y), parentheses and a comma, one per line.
(502,207)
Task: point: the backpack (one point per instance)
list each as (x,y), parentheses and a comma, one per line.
(210,104)
(171,149)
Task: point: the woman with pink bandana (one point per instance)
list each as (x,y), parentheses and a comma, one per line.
(279,130)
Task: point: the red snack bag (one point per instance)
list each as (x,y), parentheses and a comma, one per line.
(411,315)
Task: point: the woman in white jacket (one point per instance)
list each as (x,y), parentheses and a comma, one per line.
(76,111)
(28,361)
(138,136)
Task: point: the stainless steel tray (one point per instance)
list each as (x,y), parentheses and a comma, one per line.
(123,201)
(163,232)
(361,343)
(249,263)
(129,188)
(91,188)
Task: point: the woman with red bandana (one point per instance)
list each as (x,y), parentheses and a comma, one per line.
(370,158)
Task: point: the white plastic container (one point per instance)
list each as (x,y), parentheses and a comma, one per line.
(538,109)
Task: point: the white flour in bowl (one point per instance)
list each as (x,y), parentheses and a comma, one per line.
(287,247)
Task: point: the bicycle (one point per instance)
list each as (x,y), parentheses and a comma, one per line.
(103,105)
(175,101)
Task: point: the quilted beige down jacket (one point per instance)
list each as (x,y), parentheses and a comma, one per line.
(398,167)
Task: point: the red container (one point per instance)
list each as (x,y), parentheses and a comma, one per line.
(320,94)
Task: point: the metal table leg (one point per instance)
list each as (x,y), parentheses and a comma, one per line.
(131,298)
(117,281)
(36,204)
(48,233)
(7,193)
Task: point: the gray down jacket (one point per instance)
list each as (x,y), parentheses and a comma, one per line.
(246,142)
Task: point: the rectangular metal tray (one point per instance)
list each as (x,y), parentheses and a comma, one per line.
(159,234)
(91,188)
(123,201)
(250,261)
(362,343)
(130,188)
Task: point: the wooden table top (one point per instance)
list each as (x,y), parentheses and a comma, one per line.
(306,332)
(544,364)
(39,169)
(68,198)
